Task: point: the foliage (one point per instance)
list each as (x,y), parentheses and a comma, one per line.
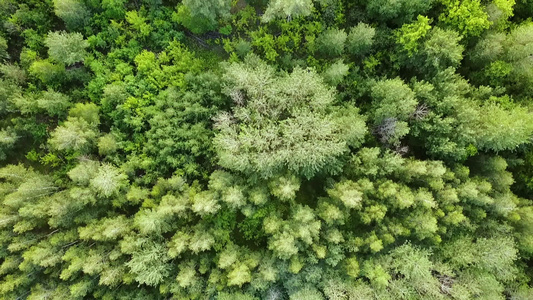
(287,9)
(397,12)
(66,48)
(287,128)
(360,39)
(331,42)
(283,149)
(73,12)
(466,17)
(410,34)
(201,16)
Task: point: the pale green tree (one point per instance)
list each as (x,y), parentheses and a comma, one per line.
(8,138)
(66,48)
(336,72)
(331,42)
(360,39)
(108,180)
(73,135)
(501,129)
(54,103)
(287,9)
(202,16)
(74,13)
(283,123)
(107,144)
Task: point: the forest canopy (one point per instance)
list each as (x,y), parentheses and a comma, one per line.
(266,149)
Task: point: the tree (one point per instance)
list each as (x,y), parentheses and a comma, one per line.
(73,12)
(149,261)
(442,49)
(54,103)
(499,12)
(397,12)
(180,121)
(66,48)
(427,50)
(466,17)
(501,129)
(107,144)
(410,34)
(331,42)
(139,23)
(14,73)
(89,112)
(47,72)
(8,138)
(74,135)
(202,16)
(307,293)
(114,8)
(234,296)
(488,49)
(3,49)
(360,39)
(287,9)
(133,168)
(282,123)
(348,192)
(518,44)
(79,132)
(108,180)
(336,72)
(393,103)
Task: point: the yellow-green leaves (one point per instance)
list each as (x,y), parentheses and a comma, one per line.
(467,17)
(409,35)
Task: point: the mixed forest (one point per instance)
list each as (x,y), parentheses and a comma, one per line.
(266,149)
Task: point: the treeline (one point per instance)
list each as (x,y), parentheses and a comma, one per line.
(281,149)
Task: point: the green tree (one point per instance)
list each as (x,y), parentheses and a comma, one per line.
(80,130)
(66,48)
(287,9)
(336,72)
(74,13)
(430,51)
(282,123)
(74,135)
(466,17)
(360,39)
(114,9)
(202,16)
(180,133)
(393,103)
(8,138)
(397,12)
(53,103)
(162,173)
(47,72)
(331,42)
(409,34)
(499,11)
